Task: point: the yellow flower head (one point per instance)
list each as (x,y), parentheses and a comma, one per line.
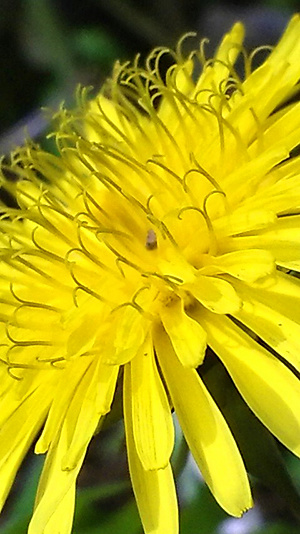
(169,222)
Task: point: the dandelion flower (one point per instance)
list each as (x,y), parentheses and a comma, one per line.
(169,222)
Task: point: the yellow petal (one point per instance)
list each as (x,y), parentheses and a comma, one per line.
(154,490)
(278,197)
(268,387)
(240,183)
(152,422)
(275,78)
(61,521)
(278,331)
(106,385)
(187,336)
(282,293)
(242,220)
(62,394)
(288,168)
(226,55)
(103,119)
(182,79)
(17,433)
(82,417)
(54,506)
(206,432)
(247,265)
(282,241)
(126,338)
(285,127)
(288,45)
(215,294)
(82,338)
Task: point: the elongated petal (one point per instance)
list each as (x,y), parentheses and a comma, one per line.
(270,389)
(61,518)
(54,506)
(106,385)
(240,182)
(154,490)
(63,392)
(276,329)
(110,125)
(248,265)
(282,293)
(187,336)
(242,220)
(227,52)
(81,339)
(125,338)
(152,422)
(278,198)
(82,417)
(282,240)
(288,45)
(286,126)
(215,294)
(65,457)
(206,432)
(17,433)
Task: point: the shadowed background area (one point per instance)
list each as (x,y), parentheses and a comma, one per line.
(47,48)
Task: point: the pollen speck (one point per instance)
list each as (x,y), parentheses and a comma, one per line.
(151,240)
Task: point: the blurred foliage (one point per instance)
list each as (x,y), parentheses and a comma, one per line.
(47,47)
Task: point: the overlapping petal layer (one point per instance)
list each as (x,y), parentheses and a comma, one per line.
(169,222)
